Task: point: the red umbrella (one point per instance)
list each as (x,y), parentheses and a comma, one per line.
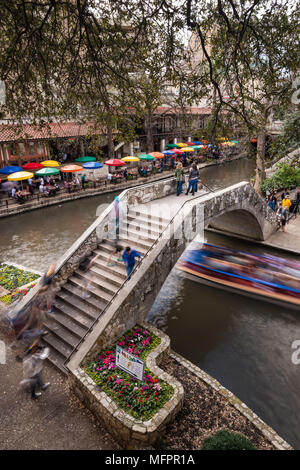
(114,162)
(178,152)
(190,143)
(32,166)
(157,154)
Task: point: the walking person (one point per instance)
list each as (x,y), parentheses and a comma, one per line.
(282,214)
(179,175)
(193,179)
(128,257)
(32,371)
(85,265)
(115,232)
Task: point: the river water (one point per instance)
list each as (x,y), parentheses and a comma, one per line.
(242,342)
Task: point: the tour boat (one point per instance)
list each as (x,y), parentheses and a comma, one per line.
(267,277)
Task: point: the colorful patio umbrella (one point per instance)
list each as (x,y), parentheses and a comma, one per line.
(92,165)
(71,168)
(190,143)
(197,142)
(114,162)
(172,146)
(235,141)
(187,149)
(157,154)
(168,153)
(20,176)
(50,163)
(180,144)
(85,159)
(178,152)
(130,159)
(8,170)
(47,172)
(146,157)
(32,166)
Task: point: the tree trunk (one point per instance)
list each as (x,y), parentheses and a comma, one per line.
(260,160)
(149,132)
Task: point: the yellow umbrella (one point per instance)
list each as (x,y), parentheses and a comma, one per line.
(50,163)
(181,144)
(187,149)
(20,175)
(130,159)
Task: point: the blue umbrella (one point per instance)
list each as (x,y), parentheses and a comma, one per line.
(8,170)
(168,152)
(92,165)
(197,142)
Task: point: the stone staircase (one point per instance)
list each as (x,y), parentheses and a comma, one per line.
(74,315)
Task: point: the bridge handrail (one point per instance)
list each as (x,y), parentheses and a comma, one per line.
(126,280)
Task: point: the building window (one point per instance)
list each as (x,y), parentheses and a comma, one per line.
(31,148)
(40,148)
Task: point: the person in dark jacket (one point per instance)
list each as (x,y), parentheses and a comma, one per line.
(193,179)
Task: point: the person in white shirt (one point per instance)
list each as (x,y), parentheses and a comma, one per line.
(109,177)
(13,192)
(41,188)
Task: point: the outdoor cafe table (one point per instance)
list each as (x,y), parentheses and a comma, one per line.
(132,173)
(117,178)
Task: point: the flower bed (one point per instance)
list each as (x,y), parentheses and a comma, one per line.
(12,278)
(139,399)
(10,298)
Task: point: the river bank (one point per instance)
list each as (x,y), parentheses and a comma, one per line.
(14,209)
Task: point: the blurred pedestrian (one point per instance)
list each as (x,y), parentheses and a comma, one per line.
(32,370)
(179,175)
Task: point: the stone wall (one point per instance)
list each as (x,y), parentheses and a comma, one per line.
(129,432)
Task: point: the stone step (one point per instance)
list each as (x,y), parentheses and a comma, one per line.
(96,304)
(106,255)
(115,270)
(58,346)
(147,216)
(136,244)
(81,319)
(57,360)
(92,290)
(61,333)
(86,310)
(94,280)
(139,235)
(65,321)
(102,273)
(147,222)
(144,229)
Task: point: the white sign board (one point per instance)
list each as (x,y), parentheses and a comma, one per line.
(129,363)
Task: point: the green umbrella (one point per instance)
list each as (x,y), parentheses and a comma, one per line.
(47,171)
(146,158)
(85,159)
(235,141)
(172,146)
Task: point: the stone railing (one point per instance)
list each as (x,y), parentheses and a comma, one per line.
(129,432)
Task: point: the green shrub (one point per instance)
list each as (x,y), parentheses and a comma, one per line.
(285,176)
(227,440)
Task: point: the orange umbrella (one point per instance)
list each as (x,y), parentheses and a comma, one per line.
(157,155)
(71,168)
